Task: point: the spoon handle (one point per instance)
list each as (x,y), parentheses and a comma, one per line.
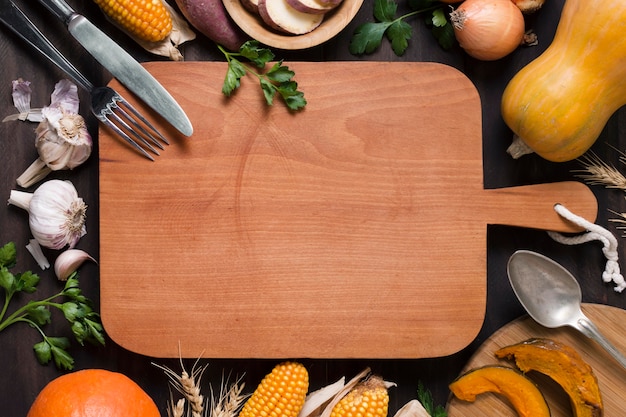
(590,330)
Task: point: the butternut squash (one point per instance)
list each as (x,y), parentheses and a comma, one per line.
(565,366)
(520,391)
(559,103)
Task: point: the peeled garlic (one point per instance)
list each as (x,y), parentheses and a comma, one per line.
(62,141)
(56,214)
(69,261)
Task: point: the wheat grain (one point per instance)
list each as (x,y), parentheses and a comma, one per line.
(597,172)
(229,400)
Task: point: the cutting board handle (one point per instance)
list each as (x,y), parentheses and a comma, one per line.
(532,206)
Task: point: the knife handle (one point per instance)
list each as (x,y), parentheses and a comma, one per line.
(60,9)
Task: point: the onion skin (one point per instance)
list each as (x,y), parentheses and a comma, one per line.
(488,29)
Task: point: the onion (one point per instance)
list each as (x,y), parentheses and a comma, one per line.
(488,29)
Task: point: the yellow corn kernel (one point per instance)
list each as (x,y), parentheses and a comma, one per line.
(368,398)
(147,20)
(280,394)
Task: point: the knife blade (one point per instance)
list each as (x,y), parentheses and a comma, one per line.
(121,65)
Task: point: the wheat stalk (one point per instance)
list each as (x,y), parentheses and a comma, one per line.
(188,385)
(229,400)
(597,172)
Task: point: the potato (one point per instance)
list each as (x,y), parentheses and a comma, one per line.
(279,15)
(211,19)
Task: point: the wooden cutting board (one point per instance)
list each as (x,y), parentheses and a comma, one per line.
(611,376)
(356,228)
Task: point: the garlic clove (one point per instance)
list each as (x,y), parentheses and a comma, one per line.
(69,261)
(35,249)
(36,172)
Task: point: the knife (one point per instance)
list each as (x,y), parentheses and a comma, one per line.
(121,65)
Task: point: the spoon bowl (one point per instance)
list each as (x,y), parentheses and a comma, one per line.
(552,297)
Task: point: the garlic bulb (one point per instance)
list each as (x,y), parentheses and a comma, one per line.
(63,141)
(56,214)
(69,261)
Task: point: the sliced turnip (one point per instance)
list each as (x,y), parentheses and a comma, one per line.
(281,16)
(311,6)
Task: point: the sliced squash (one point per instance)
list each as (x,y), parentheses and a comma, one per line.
(520,391)
(565,366)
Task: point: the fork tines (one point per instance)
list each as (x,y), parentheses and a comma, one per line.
(119,115)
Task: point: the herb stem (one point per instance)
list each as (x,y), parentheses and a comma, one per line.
(22,312)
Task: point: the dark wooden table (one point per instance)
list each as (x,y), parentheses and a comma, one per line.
(21,377)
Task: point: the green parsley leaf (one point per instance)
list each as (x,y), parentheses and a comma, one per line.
(8,255)
(27,282)
(7,280)
(40,314)
(399,34)
(368,36)
(425,397)
(84,322)
(385,10)
(278,78)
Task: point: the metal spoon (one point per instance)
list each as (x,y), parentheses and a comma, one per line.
(552,296)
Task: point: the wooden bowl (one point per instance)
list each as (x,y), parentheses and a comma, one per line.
(334,22)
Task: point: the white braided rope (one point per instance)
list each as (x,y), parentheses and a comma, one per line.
(594,232)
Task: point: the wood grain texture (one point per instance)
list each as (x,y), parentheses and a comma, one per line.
(611,376)
(348,230)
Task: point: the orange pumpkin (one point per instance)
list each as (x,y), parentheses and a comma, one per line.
(93,393)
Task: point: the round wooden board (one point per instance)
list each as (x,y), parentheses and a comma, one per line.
(611,376)
(334,22)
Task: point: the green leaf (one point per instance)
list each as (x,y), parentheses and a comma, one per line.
(8,255)
(367,37)
(62,359)
(257,55)
(27,282)
(385,10)
(269,90)
(43,351)
(39,314)
(236,70)
(399,34)
(445,36)
(293,98)
(7,280)
(439,18)
(279,73)
(72,311)
(425,397)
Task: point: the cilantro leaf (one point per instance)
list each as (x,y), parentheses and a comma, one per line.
(27,282)
(7,280)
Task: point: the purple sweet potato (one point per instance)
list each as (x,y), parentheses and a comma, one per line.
(211,19)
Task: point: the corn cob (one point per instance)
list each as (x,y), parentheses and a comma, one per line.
(280,394)
(368,398)
(148,20)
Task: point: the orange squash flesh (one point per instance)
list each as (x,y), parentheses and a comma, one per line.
(565,366)
(559,103)
(520,391)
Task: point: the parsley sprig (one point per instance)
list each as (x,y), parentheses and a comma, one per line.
(76,308)
(368,36)
(276,80)
(425,397)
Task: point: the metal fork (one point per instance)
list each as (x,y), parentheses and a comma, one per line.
(106,104)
